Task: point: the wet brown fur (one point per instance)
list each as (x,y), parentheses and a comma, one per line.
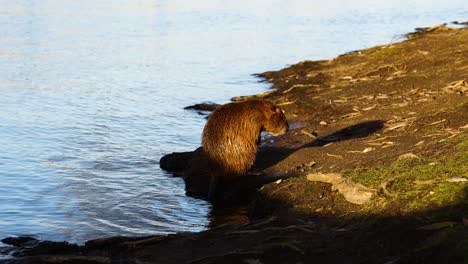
(232,131)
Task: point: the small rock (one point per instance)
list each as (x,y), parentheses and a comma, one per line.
(323,123)
(367,150)
(353,192)
(20,241)
(407,156)
(208,106)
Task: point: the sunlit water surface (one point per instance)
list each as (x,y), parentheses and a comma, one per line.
(92,95)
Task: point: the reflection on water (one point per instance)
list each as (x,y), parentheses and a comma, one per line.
(91,96)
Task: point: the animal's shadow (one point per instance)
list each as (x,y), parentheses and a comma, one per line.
(268,156)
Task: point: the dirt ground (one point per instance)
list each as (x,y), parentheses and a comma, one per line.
(373,169)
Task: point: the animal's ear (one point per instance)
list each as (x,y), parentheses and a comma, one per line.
(276,109)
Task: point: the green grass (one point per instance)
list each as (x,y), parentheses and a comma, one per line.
(420,184)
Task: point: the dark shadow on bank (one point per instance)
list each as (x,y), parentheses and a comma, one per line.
(289,238)
(435,235)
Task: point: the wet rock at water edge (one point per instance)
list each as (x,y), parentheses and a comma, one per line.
(208,107)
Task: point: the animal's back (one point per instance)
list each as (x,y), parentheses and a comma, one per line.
(230,135)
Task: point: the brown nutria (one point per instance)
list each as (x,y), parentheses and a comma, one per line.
(231,135)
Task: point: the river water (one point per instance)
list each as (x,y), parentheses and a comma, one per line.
(92,95)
